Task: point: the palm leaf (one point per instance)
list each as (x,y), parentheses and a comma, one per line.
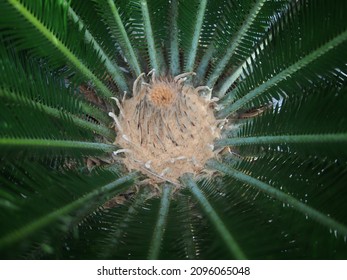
(113,19)
(159,229)
(110,64)
(36,16)
(215,219)
(68,196)
(286,63)
(303,124)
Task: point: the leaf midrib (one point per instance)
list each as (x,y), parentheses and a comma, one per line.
(218,223)
(54,144)
(78,64)
(298,138)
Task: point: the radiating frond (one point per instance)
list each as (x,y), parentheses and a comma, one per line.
(260,186)
(119,30)
(229,240)
(29,25)
(289,61)
(55,202)
(39,114)
(312,124)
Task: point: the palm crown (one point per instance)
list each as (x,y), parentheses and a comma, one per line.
(273,72)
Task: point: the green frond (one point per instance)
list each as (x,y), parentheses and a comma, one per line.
(246,35)
(304,139)
(124,234)
(266,227)
(29,26)
(224,233)
(155,54)
(310,212)
(64,199)
(285,60)
(88,11)
(102,231)
(204,63)
(190,60)
(311,124)
(32,80)
(317,183)
(231,31)
(30,130)
(112,68)
(37,100)
(185,232)
(174,49)
(237,38)
(22,144)
(214,15)
(159,229)
(109,12)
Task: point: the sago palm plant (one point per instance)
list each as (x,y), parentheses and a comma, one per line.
(173,129)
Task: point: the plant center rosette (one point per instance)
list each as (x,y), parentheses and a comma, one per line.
(167,128)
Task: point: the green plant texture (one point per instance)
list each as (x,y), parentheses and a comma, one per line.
(277,186)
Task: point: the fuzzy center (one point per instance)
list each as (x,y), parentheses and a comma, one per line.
(161,94)
(166,129)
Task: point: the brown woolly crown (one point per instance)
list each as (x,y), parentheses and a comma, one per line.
(162,94)
(166,129)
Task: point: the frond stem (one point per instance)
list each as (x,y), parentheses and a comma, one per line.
(195,40)
(155,55)
(111,66)
(231,243)
(310,138)
(174,52)
(205,60)
(125,42)
(161,223)
(59,114)
(235,42)
(49,35)
(54,144)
